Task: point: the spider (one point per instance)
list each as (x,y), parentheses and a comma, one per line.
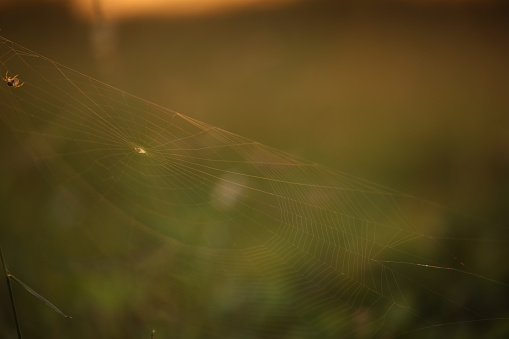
(12,81)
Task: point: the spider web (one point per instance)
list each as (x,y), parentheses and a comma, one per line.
(215,235)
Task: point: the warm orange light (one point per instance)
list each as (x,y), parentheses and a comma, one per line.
(119,9)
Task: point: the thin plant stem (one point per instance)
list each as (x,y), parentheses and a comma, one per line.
(38,296)
(13,305)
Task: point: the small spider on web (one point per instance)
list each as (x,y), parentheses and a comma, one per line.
(12,81)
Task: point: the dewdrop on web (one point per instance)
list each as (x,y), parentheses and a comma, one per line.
(140,150)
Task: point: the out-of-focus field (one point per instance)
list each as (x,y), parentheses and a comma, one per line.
(411,97)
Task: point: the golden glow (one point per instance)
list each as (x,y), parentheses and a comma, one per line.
(140,150)
(119,9)
(125,9)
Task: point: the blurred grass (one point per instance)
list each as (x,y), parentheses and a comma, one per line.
(364,89)
(409,97)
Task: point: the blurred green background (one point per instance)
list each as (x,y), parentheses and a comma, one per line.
(407,95)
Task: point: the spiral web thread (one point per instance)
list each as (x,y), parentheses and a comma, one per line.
(286,247)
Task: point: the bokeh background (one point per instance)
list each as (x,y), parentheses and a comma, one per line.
(412,95)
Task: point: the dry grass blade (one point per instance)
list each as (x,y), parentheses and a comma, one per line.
(11,296)
(38,296)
